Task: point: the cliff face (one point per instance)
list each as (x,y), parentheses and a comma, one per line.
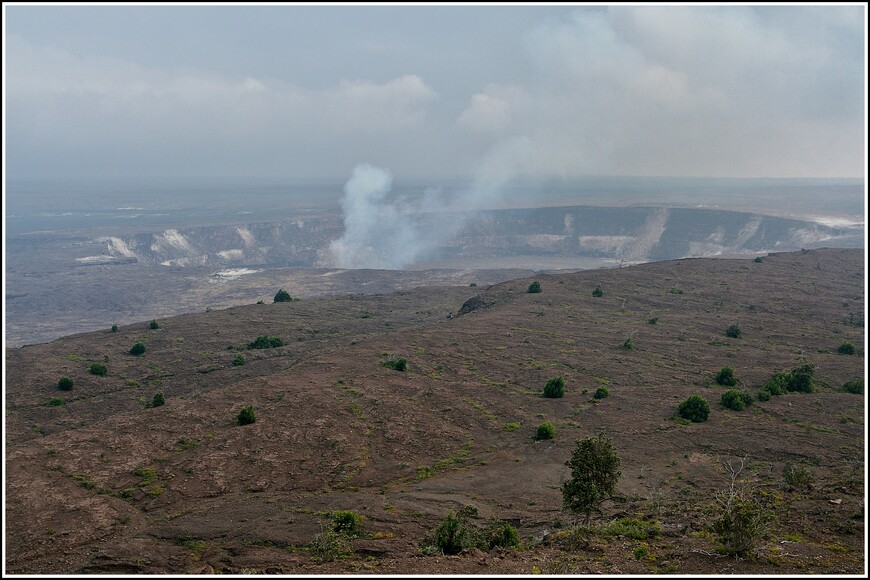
(635,234)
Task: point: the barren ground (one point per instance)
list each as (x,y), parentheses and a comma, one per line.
(103,484)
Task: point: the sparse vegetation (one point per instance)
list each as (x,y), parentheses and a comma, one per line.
(733,331)
(555,388)
(283,296)
(846,348)
(545,431)
(797,476)
(598,292)
(534,287)
(855,386)
(695,408)
(329,545)
(137,349)
(653,320)
(55,402)
(265,342)
(601,393)
(65,384)
(725,377)
(594,473)
(742,518)
(400,364)
(238,361)
(246,416)
(455,533)
(98,369)
(153,325)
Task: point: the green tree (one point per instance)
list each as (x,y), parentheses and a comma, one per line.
(694,408)
(594,473)
(137,349)
(534,287)
(726,377)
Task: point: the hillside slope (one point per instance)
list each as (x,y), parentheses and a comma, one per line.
(103,484)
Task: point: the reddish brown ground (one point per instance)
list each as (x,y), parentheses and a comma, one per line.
(337,430)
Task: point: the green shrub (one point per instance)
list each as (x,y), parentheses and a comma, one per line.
(55,402)
(497,534)
(265,342)
(777,384)
(283,296)
(695,408)
(846,348)
(757,259)
(763,395)
(154,325)
(545,431)
(534,287)
(98,369)
(633,529)
(114,328)
(451,536)
(555,388)
(653,320)
(137,349)
(733,331)
(736,400)
(397,365)
(238,361)
(601,393)
(346,522)
(246,416)
(598,292)
(158,399)
(329,545)
(629,343)
(725,377)
(855,386)
(800,379)
(740,525)
(797,476)
(65,384)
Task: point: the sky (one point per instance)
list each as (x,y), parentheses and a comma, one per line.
(309,92)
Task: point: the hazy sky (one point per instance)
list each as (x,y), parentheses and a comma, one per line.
(434,91)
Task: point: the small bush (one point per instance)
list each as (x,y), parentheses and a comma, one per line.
(265,342)
(740,526)
(497,534)
(633,529)
(797,476)
(725,377)
(763,395)
(855,386)
(534,287)
(598,292)
(283,296)
(545,431)
(238,361)
(555,388)
(346,522)
(154,325)
(695,408)
(137,349)
(114,328)
(397,365)
(601,393)
(246,416)
(98,369)
(757,260)
(736,400)
(65,384)
(733,331)
(158,399)
(846,348)
(55,402)
(800,379)
(653,320)
(628,344)
(777,384)
(328,545)
(451,536)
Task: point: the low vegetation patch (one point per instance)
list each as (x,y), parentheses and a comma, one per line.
(158,399)
(632,528)
(598,292)
(855,386)
(137,349)
(55,402)
(65,384)
(98,369)
(238,361)
(265,342)
(153,325)
(846,348)
(797,476)
(736,400)
(400,364)
(545,431)
(346,522)
(601,393)
(534,287)
(726,377)
(733,331)
(283,296)
(246,416)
